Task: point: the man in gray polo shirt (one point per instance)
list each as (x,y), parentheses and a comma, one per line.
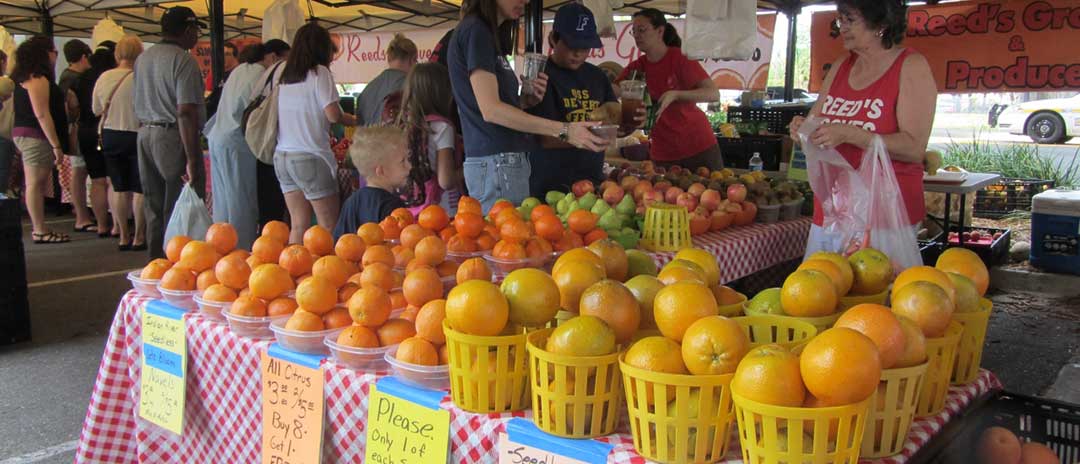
(170,107)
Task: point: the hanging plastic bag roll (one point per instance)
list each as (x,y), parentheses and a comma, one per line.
(189,216)
(860,207)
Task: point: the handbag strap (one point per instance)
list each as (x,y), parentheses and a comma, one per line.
(108,103)
(270,78)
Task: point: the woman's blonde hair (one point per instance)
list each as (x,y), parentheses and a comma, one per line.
(129,48)
(401,48)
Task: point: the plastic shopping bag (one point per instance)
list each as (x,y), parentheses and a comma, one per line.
(720,29)
(860,207)
(189,216)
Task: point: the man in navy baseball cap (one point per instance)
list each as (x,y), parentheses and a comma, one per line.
(576,26)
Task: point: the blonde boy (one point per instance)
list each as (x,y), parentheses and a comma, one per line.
(379,154)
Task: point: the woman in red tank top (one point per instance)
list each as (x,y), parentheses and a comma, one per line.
(878,88)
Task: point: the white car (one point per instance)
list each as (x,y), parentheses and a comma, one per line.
(1045,121)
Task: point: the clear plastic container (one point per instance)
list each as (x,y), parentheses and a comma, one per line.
(506,266)
(210,309)
(768,214)
(146,287)
(250,327)
(302,342)
(361,359)
(430,377)
(461,256)
(791,210)
(182,299)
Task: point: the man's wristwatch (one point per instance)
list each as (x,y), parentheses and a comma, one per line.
(564,133)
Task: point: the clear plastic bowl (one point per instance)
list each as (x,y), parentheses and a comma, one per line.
(791,210)
(768,214)
(462,256)
(506,266)
(250,327)
(302,342)
(210,309)
(430,377)
(146,287)
(361,359)
(182,299)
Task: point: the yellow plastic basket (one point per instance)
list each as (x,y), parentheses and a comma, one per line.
(734,309)
(488,374)
(785,331)
(663,422)
(969,351)
(848,301)
(941,354)
(823,435)
(573,396)
(891,410)
(667,228)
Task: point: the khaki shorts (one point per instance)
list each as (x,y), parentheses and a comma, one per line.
(35,152)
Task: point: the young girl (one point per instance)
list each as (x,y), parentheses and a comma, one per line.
(436,175)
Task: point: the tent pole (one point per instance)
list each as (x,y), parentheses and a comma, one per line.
(792,12)
(46,23)
(217,41)
(534,27)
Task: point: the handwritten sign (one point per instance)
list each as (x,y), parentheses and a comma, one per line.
(292,409)
(523,443)
(164,366)
(405,424)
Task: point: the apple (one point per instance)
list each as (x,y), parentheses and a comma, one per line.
(581,187)
(747,215)
(660,170)
(702,171)
(628,182)
(710,199)
(699,223)
(662,186)
(696,189)
(721,220)
(651,196)
(613,194)
(640,210)
(607,184)
(736,193)
(640,188)
(672,193)
(976,235)
(687,200)
(647,165)
(733,207)
(675,169)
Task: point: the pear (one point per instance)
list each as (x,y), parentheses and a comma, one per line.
(626,205)
(553,197)
(587,200)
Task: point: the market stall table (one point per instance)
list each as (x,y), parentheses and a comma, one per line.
(972,183)
(223,417)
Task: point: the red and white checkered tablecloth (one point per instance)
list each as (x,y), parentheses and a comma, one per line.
(744,250)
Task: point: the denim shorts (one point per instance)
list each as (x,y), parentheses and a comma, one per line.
(502,175)
(307,172)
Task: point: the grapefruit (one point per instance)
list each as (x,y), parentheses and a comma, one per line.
(582,336)
(714,345)
(806,293)
(613,303)
(770,374)
(872,272)
(532,295)
(840,366)
(679,305)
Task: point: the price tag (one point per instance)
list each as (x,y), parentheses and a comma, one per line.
(797,167)
(523,443)
(292,409)
(405,424)
(164,366)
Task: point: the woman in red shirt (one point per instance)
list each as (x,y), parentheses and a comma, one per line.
(682,134)
(881,89)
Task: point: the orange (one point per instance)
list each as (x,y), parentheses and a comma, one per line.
(579,255)
(390,228)
(928,274)
(175,246)
(433,218)
(914,344)
(155,269)
(473,268)
(222,236)
(301,279)
(276,230)
(317,295)
(612,302)
(303,321)
(281,306)
(1037,453)
(532,295)
(296,259)
(871,270)
(447,269)
(806,294)
(378,254)
(570,241)
(468,224)
(350,247)
(415,264)
(431,250)
(369,306)
(967,295)
(573,277)
(444,355)
(998,445)
(319,241)
(681,270)
(416,350)
(548,227)
(429,321)
(403,216)
(335,270)
(477,307)
(508,250)
(966,263)
(485,242)
(232,271)
(395,331)
(421,286)
(248,306)
(581,221)
(371,233)
(178,278)
(254,262)
(358,336)
(836,276)
(679,305)
(770,374)
(595,235)
(242,254)
(409,313)
(847,275)
(269,281)
(840,366)
(714,345)
(515,230)
(645,288)
(402,256)
(498,207)
(461,244)
(726,295)
(397,299)
(198,256)
(540,211)
(377,275)
(267,249)
(337,318)
(205,280)
(245,292)
(504,216)
(219,293)
(616,264)
(581,336)
(705,260)
(347,291)
(412,234)
(538,248)
(469,205)
(926,304)
(446,233)
(881,326)
(656,354)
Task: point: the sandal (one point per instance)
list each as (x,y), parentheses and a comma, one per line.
(50,237)
(86,228)
(138,246)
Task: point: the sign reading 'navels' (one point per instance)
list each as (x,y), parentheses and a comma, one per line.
(1000,46)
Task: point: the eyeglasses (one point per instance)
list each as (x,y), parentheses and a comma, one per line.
(639,30)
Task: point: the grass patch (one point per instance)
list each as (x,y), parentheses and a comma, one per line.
(1013,160)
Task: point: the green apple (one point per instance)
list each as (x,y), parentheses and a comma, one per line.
(552,198)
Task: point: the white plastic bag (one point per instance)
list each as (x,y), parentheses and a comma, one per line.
(605,20)
(720,29)
(281,20)
(860,207)
(189,216)
(104,30)
(7,45)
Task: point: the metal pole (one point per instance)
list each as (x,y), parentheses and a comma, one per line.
(46,23)
(534,27)
(789,69)
(217,41)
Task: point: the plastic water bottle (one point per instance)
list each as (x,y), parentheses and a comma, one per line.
(755,162)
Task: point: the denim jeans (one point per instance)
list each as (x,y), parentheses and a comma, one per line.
(502,175)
